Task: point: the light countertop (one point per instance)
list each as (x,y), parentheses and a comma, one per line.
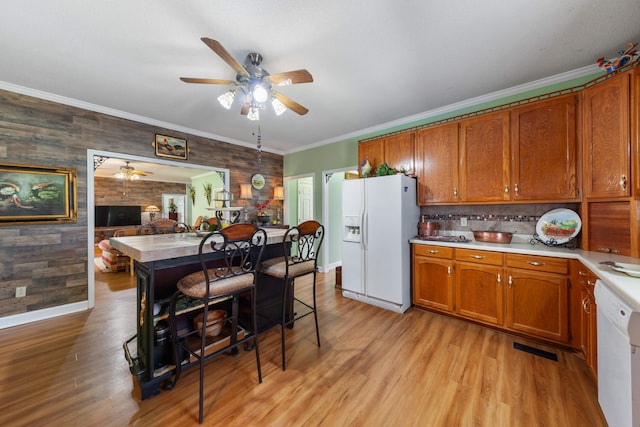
(157,247)
(627,287)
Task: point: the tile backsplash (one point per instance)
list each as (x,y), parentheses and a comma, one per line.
(518,219)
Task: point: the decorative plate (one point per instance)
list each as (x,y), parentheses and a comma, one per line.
(257,181)
(559,226)
(632,270)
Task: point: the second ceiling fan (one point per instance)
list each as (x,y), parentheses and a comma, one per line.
(255,83)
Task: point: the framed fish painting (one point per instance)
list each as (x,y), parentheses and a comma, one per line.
(32,194)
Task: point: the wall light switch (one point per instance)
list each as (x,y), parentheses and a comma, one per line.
(21,291)
(463,222)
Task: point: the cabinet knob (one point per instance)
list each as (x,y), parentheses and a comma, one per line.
(510,281)
(477,256)
(582,273)
(499,279)
(506,188)
(605,250)
(623,182)
(449,270)
(455,191)
(433,251)
(516,189)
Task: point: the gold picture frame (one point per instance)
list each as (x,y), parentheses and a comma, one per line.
(32,194)
(171,147)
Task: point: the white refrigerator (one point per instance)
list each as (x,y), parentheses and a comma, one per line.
(380,215)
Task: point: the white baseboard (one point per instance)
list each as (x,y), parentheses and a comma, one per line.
(47,313)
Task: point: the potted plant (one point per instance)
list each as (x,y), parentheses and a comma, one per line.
(208,192)
(192,193)
(263,216)
(173,210)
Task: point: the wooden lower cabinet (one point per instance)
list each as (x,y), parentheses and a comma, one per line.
(537,296)
(433,277)
(536,304)
(521,293)
(586,281)
(479,294)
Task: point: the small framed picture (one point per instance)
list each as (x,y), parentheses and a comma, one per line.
(171,147)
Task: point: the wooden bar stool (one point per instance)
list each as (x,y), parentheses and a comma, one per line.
(228,260)
(304,241)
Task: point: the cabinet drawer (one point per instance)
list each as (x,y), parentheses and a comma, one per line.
(482,257)
(433,251)
(539,263)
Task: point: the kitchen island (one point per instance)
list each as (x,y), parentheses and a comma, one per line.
(159,262)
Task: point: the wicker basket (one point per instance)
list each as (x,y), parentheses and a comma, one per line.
(215,322)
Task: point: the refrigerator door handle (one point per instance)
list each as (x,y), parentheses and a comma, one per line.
(363,232)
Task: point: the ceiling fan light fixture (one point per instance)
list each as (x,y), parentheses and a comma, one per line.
(259,93)
(254,113)
(278,106)
(226,99)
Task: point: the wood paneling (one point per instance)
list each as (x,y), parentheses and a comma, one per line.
(51,260)
(139,193)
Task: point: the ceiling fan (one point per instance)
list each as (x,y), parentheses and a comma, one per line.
(128,173)
(255,83)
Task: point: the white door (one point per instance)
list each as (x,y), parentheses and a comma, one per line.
(305,200)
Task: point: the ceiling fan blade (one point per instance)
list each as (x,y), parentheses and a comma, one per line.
(207,81)
(290,78)
(246,104)
(215,46)
(291,104)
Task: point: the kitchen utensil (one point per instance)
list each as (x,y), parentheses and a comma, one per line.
(492,236)
(429,228)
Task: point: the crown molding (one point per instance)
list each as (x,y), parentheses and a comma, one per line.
(124,115)
(505,93)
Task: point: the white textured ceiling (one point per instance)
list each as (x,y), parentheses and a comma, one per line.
(373,62)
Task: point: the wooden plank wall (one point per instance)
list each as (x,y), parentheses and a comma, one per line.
(51,260)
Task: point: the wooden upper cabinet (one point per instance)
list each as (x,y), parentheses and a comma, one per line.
(484,158)
(399,151)
(437,164)
(396,150)
(606,138)
(544,151)
(372,150)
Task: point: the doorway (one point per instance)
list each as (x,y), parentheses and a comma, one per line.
(91,154)
(298,199)
(332,214)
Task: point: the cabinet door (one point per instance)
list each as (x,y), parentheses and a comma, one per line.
(479,293)
(536,304)
(589,330)
(609,227)
(399,151)
(433,283)
(484,158)
(437,164)
(373,151)
(543,163)
(606,138)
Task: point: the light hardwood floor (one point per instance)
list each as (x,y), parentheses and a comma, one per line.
(375,368)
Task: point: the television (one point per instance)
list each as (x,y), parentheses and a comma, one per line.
(116,216)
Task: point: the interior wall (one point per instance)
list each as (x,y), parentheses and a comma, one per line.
(139,193)
(51,260)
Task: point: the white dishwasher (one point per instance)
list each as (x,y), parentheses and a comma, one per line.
(618,358)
